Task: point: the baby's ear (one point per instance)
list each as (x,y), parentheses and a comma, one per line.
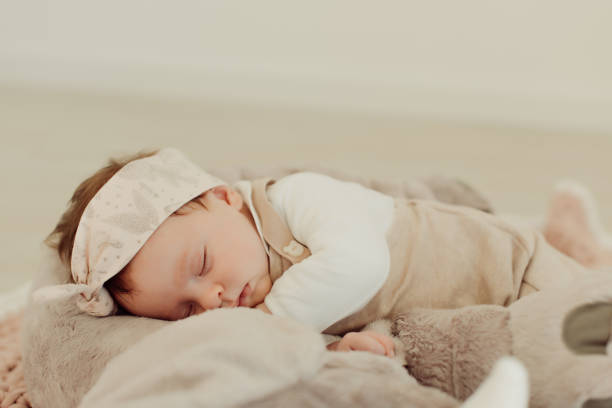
(229,195)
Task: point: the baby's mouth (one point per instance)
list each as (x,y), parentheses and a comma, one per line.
(242,300)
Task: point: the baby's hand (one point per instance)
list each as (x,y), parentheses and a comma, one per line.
(365,341)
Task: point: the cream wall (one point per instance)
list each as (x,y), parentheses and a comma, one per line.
(509,96)
(544,63)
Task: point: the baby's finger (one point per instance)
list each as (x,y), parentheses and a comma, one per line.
(361,342)
(385,341)
(366,343)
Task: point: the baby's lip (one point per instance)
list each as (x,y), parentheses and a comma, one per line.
(246,291)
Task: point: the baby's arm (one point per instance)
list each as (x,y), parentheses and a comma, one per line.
(344,226)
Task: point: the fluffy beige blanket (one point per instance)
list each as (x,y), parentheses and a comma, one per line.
(242,357)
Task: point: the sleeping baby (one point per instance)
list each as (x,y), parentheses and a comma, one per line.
(154,235)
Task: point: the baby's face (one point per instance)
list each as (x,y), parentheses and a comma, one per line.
(203,260)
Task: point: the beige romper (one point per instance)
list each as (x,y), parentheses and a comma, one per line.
(442,256)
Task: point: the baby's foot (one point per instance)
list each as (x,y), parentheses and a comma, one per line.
(573,226)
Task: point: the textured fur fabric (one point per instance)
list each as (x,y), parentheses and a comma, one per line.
(359,381)
(65,351)
(454,350)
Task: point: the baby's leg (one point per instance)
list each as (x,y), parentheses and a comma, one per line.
(572,227)
(548,268)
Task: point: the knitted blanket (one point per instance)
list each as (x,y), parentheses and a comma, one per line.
(12,385)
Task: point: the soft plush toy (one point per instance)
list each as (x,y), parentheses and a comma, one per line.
(562,336)
(559,335)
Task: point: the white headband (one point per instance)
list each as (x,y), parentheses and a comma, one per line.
(120,218)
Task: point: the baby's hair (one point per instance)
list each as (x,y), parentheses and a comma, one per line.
(62,237)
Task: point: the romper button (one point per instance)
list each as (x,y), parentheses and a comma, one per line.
(293,249)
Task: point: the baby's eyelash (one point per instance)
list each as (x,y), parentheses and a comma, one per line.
(203,264)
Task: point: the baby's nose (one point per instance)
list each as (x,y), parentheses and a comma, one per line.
(213,297)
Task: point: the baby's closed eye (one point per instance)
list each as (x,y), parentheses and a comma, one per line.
(204,259)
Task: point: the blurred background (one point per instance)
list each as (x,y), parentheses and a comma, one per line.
(510,96)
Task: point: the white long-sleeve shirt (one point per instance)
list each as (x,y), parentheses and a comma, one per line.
(344,226)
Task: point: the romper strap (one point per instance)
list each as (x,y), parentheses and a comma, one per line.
(275,230)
